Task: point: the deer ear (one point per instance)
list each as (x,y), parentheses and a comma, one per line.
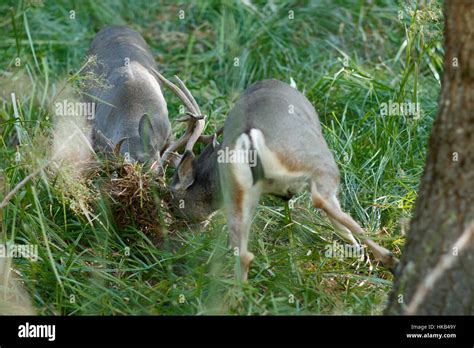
(186,171)
(146,131)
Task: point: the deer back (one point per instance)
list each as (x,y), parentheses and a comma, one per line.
(286,123)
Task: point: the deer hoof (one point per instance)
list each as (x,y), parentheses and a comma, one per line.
(245,261)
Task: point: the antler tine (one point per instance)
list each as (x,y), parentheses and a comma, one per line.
(188,95)
(182,94)
(194,136)
(196,121)
(170,151)
(189,139)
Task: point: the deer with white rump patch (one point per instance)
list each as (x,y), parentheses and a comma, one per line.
(278,131)
(131,115)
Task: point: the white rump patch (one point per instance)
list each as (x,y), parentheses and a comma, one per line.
(241,170)
(278,179)
(271,164)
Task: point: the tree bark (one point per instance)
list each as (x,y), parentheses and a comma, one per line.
(444,210)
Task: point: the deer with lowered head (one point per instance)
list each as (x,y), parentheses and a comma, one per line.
(131,115)
(272,144)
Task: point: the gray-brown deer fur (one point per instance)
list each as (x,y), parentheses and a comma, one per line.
(282,126)
(132,109)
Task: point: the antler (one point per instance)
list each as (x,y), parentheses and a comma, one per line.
(195,119)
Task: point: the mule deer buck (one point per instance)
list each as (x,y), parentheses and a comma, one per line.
(131,114)
(272,144)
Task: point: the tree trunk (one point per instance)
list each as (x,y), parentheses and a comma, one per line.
(437,267)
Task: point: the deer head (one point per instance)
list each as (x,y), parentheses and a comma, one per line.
(194,183)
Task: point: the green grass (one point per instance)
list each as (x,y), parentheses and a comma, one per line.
(93,268)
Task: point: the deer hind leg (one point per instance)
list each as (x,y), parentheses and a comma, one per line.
(343,232)
(327,201)
(241,197)
(239,219)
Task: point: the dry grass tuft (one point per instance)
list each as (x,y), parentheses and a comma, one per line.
(138,199)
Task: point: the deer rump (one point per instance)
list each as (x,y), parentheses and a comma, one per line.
(130,110)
